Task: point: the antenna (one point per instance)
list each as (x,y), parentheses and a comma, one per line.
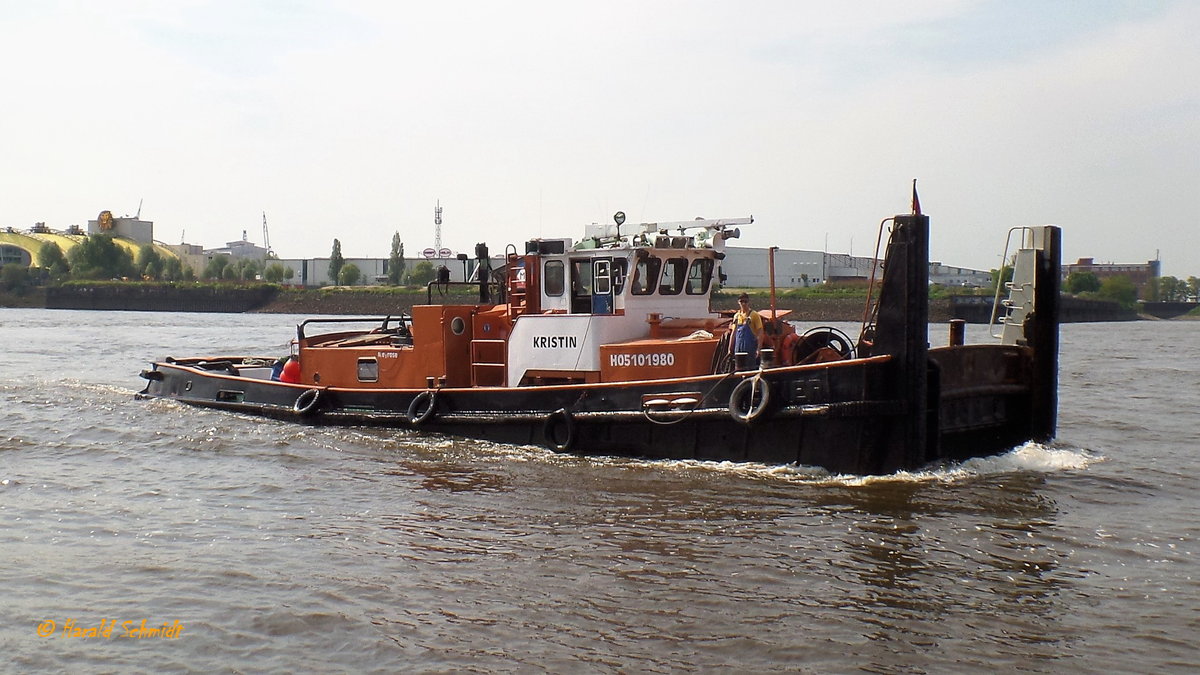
(139,213)
(437,222)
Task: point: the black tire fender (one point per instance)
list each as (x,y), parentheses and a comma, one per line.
(422,408)
(559,430)
(308,402)
(749,399)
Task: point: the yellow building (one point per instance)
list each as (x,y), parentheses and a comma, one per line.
(22,248)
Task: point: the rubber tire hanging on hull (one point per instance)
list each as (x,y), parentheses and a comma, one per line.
(559,430)
(417,416)
(308,403)
(749,399)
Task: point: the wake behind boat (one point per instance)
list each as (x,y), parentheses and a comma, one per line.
(610,346)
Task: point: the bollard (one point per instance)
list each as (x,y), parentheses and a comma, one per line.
(958,332)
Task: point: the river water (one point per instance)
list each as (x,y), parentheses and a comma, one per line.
(264,546)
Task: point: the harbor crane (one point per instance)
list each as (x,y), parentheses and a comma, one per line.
(266,235)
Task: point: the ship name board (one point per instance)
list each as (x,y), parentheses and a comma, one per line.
(555,342)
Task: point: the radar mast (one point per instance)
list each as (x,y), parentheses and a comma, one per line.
(437,225)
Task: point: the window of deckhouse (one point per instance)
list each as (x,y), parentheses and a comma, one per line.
(619,273)
(699,276)
(555,277)
(673,274)
(581,286)
(602,273)
(645,275)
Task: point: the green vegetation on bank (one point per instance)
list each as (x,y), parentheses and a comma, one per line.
(98,259)
(212,285)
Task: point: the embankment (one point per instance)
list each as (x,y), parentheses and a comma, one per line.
(150,297)
(380,301)
(978,309)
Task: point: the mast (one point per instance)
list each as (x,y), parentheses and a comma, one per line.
(437,226)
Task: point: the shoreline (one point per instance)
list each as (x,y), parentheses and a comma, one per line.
(383,301)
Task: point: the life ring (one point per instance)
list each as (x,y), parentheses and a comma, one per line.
(308,402)
(418,415)
(559,430)
(749,399)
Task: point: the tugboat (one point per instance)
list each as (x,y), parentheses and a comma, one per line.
(609,346)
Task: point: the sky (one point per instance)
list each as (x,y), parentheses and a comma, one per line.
(352,119)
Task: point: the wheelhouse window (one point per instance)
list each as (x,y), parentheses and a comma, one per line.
(556,278)
(602,271)
(645,275)
(699,276)
(619,272)
(674,271)
(581,286)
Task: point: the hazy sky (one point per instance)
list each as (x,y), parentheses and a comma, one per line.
(349,119)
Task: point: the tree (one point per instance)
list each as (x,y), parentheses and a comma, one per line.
(422,273)
(1193,285)
(172,269)
(349,275)
(1001,276)
(336,261)
(1119,289)
(215,269)
(396,262)
(1152,291)
(247,269)
(14,278)
(1171,289)
(231,269)
(149,262)
(51,258)
(274,272)
(99,257)
(1082,282)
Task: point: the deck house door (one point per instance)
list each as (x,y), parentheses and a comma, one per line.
(602,286)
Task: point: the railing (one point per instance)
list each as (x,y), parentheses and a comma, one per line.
(402,319)
(1007,303)
(446,285)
